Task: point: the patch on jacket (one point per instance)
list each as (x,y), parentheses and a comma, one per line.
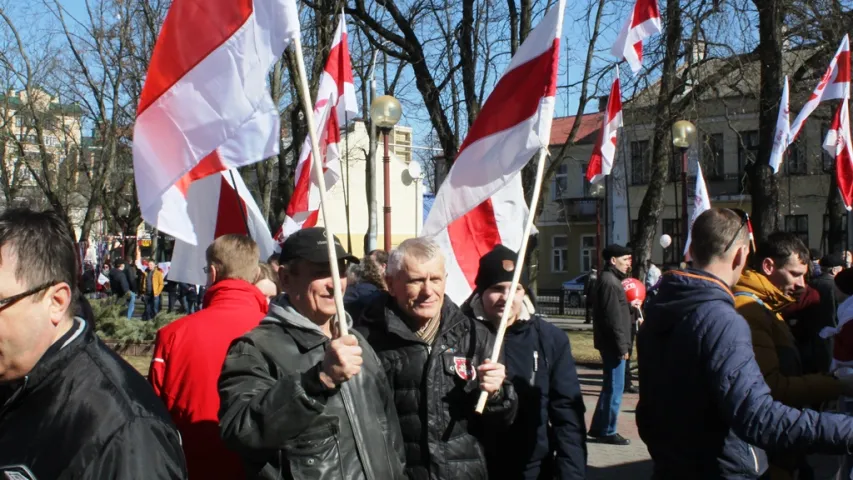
(17,472)
(464,367)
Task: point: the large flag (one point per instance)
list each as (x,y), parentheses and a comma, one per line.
(205,98)
(481,202)
(218,206)
(838,144)
(643,23)
(701,202)
(336,89)
(604,151)
(834,85)
(783,130)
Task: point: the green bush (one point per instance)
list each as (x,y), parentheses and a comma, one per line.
(112,323)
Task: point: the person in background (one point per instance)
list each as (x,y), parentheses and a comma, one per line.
(202,291)
(69,406)
(267,282)
(815,269)
(273,263)
(652,276)
(547,439)
(370,276)
(188,354)
(815,352)
(172,297)
(588,289)
(635,325)
(612,338)
(88,282)
(151,287)
(192,298)
(298,399)
(130,272)
(705,410)
(118,280)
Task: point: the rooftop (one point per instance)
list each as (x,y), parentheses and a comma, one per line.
(587,131)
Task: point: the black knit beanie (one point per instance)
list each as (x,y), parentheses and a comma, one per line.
(495,267)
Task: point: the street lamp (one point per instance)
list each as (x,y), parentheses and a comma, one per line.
(385,112)
(596,191)
(683,133)
(416,174)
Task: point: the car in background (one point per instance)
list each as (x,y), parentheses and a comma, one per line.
(573,290)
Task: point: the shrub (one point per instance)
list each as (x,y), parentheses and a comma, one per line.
(112,324)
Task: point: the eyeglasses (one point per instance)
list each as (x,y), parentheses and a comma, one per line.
(744,219)
(206,269)
(9,301)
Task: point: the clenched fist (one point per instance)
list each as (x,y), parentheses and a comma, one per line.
(342,361)
(491,376)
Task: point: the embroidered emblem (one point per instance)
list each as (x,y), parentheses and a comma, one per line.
(508,265)
(16,472)
(464,368)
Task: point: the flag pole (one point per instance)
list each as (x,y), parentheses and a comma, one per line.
(240,204)
(519,266)
(321,183)
(346,183)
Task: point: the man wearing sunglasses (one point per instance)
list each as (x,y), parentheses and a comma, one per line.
(705,410)
(69,406)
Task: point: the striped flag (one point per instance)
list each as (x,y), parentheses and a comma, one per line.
(481,202)
(783,130)
(338,91)
(701,202)
(838,145)
(834,85)
(205,106)
(643,23)
(604,152)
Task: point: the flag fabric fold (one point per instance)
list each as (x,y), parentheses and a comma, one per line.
(701,202)
(337,94)
(481,201)
(834,85)
(838,144)
(604,152)
(205,100)
(217,206)
(643,22)
(783,130)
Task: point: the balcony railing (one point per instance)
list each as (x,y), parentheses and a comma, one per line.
(576,209)
(730,184)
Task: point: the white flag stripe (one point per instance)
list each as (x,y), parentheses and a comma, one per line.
(701,203)
(783,131)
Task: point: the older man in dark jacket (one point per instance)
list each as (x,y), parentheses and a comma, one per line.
(705,411)
(436,359)
(612,338)
(297,399)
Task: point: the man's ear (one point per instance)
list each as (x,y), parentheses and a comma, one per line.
(768,266)
(60,302)
(740,257)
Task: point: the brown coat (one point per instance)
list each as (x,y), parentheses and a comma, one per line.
(760,303)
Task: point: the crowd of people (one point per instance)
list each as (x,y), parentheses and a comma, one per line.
(736,355)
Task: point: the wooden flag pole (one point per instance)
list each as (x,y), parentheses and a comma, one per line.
(321,183)
(519,266)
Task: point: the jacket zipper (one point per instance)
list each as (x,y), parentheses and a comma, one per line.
(754,458)
(535,368)
(356,431)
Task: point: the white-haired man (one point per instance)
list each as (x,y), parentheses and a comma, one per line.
(436,359)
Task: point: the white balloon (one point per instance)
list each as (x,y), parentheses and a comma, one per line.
(665,241)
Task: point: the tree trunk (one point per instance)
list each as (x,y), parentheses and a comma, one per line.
(513,26)
(836,213)
(469,62)
(526,20)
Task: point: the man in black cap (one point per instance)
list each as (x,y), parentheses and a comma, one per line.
(814,348)
(300,400)
(550,422)
(612,338)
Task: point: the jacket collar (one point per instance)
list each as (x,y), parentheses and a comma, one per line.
(451,317)
(754,283)
(612,269)
(304,332)
(235,291)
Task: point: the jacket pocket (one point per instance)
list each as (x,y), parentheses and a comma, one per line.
(315,454)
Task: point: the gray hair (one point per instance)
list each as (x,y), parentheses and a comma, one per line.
(421,248)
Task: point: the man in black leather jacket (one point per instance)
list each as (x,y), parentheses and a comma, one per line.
(69,406)
(299,401)
(436,359)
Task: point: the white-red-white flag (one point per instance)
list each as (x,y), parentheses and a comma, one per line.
(838,144)
(783,130)
(604,152)
(701,202)
(218,206)
(643,23)
(481,202)
(205,100)
(336,89)
(834,85)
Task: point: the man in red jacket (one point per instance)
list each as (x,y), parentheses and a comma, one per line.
(189,353)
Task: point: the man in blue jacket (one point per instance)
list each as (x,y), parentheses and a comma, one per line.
(705,410)
(547,440)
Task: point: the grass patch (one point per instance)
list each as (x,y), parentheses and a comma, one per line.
(141,364)
(583,350)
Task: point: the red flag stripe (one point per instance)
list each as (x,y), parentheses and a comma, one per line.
(229,218)
(339,66)
(191,31)
(207,166)
(644,10)
(472,236)
(512,100)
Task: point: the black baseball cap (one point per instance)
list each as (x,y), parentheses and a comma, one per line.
(832,260)
(310,244)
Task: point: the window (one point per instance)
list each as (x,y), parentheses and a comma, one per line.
(799,226)
(641,154)
(561,182)
(589,253)
(796,162)
(673,254)
(713,157)
(747,150)
(559,253)
(828,160)
(826,245)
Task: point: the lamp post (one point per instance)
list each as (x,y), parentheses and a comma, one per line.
(416,174)
(596,191)
(683,133)
(385,112)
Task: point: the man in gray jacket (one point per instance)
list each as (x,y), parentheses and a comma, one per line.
(298,400)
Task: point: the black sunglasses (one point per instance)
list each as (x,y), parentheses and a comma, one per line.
(744,219)
(9,301)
